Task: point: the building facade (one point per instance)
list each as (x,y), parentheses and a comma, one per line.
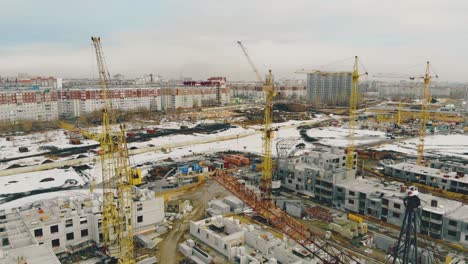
(256,92)
(322,174)
(25,104)
(66,224)
(78,101)
(329,88)
(315,172)
(450,177)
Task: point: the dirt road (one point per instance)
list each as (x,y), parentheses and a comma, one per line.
(168,248)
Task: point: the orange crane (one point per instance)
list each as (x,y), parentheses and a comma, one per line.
(270,93)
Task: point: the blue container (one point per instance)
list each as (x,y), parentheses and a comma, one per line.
(196,168)
(184,170)
(253,167)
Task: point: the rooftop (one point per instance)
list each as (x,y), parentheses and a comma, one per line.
(460,214)
(428,171)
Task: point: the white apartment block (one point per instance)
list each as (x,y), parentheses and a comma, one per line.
(194,96)
(256,92)
(68,223)
(78,101)
(33,102)
(22,104)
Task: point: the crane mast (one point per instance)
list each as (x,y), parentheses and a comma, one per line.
(117,209)
(426,97)
(269,90)
(353,103)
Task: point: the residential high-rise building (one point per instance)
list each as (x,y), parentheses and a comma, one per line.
(329,88)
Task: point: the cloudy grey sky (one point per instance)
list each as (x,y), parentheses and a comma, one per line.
(198,38)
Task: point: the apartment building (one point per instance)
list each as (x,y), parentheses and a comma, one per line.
(256,92)
(71,223)
(26,104)
(194,96)
(455,226)
(385,202)
(314,172)
(329,88)
(450,177)
(74,102)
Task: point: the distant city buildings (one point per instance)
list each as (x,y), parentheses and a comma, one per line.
(46,99)
(329,88)
(252,91)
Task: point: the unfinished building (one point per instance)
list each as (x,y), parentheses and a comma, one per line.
(450,177)
(384,201)
(329,88)
(314,172)
(70,224)
(246,244)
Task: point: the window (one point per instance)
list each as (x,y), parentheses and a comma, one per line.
(70,236)
(38,232)
(56,243)
(83,220)
(466,237)
(139,219)
(453,223)
(397,215)
(101,237)
(5,241)
(54,229)
(398,206)
(451,233)
(351,193)
(84,233)
(350,201)
(69,223)
(139,207)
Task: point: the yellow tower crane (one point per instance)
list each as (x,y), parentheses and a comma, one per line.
(425,100)
(270,93)
(117,209)
(399,114)
(353,104)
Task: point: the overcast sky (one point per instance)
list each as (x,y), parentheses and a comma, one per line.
(198,38)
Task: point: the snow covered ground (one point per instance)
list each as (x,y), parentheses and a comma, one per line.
(35,143)
(43,196)
(39,180)
(338,136)
(435,145)
(250,143)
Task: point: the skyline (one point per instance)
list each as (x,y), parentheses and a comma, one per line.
(174,39)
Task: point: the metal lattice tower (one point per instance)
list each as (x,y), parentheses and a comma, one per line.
(405,251)
(426,97)
(353,104)
(117,209)
(269,90)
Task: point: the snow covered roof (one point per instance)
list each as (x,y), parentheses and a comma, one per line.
(431,172)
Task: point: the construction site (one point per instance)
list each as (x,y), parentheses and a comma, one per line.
(322,173)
